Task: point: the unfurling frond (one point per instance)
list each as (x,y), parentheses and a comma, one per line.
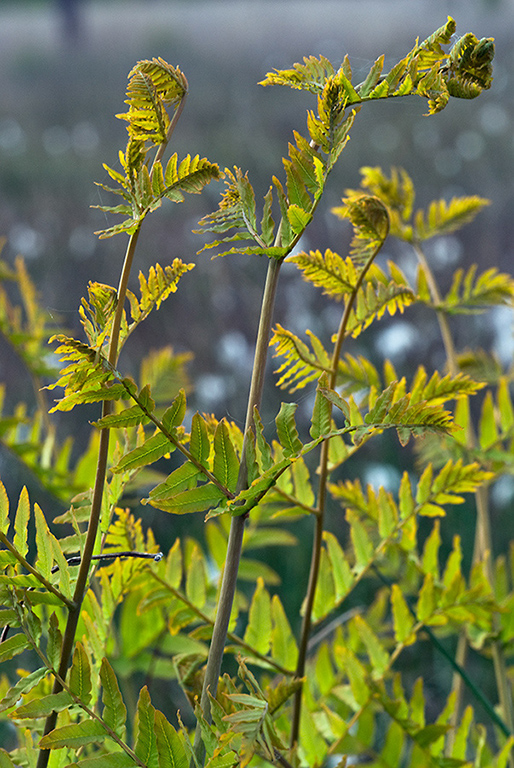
(470,66)
(152,85)
(396,192)
(370,221)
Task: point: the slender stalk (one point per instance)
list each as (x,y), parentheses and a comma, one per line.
(103,451)
(96,508)
(483,539)
(235,540)
(320,513)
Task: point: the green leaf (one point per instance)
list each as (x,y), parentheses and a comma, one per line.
(43,544)
(75,735)
(488,431)
(378,655)
(115,712)
(23,686)
(402,618)
(362,544)
(174,415)
(298,218)
(152,449)
(181,479)
(341,570)
(322,412)
(284,649)
(226,464)
(286,429)
(198,499)
(196,578)
(258,629)
(13,646)
(21,522)
(199,444)
(170,749)
(42,706)
(145,740)
(5,760)
(109,760)
(80,674)
(4,509)
(325,597)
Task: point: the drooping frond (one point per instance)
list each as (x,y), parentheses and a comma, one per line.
(427,70)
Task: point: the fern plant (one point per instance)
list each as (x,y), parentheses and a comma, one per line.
(102,603)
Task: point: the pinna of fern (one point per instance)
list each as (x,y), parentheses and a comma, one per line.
(154,85)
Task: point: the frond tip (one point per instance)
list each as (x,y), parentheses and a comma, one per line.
(152,85)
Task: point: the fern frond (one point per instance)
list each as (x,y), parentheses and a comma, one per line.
(373,300)
(237,212)
(442,218)
(310,76)
(152,85)
(301,365)
(25,325)
(470,67)
(370,220)
(472,292)
(396,192)
(329,271)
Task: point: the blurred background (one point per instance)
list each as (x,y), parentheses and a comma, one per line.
(63,74)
